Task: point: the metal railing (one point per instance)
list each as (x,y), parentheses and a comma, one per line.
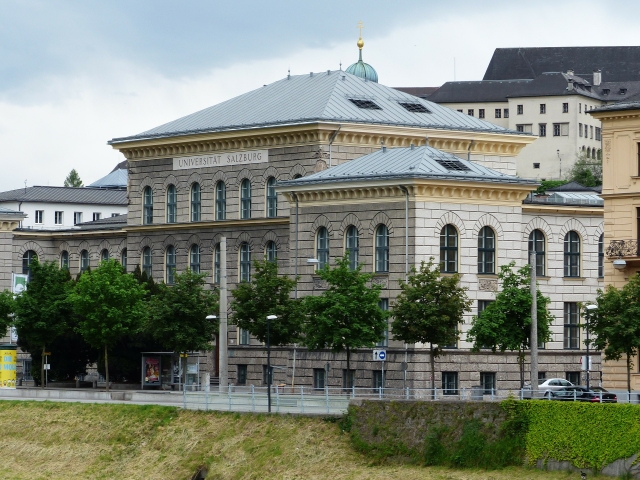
(622,248)
(334,400)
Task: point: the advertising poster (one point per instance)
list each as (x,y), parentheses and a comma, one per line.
(152,370)
(7,366)
(19,282)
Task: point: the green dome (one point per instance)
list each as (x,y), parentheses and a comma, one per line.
(363,70)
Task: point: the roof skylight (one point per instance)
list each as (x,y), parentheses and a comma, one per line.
(414,107)
(453,165)
(366,104)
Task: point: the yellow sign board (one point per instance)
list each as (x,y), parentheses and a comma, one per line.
(7,367)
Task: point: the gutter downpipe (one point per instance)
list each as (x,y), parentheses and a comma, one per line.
(406,232)
(333,137)
(295,273)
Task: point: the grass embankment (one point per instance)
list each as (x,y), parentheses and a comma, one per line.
(84,441)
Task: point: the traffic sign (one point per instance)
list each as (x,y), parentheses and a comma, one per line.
(47,366)
(47,353)
(380,355)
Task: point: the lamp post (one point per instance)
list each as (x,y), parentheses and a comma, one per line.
(590,308)
(269,318)
(215,317)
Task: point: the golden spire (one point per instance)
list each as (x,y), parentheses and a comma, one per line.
(360,41)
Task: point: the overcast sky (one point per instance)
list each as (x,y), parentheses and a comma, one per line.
(74,74)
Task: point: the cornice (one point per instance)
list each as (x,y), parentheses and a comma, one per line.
(611,196)
(362,135)
(8,225)
(616,115)
(565,210)
(67,234)
(218,224)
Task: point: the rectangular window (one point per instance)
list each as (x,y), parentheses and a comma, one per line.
(598,133)
(556,129)
(498,112)
(591,130)
(460,110)
(383,303)
(573,377)
(450,383)
(488,382)
(536,165)
(244,337)
(519,110)
(543,108)
(565,108)
(348,381)
(524,128)
(265,378)
(377,380)
(470,112)
(579,108)
(58,218)
(564,129)
(96,216)
(542,376)
(319,378)
(39,216)
(115,214)
(542,129)
(580,129)
(481,113)
(571,326)
(506,113)
(520,128)
(77,218)
(242,374)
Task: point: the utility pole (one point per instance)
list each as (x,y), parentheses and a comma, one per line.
(222,337)
(534,325)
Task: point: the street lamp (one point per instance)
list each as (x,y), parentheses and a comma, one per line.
(589,308)
(269,318)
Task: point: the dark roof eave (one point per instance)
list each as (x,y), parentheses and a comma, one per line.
(303,121)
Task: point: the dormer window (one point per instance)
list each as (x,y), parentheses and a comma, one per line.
(417,107)
(605,91)
(453,165)
(623,91)
(365,104)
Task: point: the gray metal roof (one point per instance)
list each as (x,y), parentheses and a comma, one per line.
(88,195)
(574,187)
(106,223)
(317,97)
(115,179)
(6,211)
(398,163)
(628,105)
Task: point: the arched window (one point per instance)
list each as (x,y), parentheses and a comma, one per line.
(28,257)
(104,255)
(537,244)
(271,251)
(245,262)
(245,199)
(195,202)
(172,204)
(147,206)
(487,251)
(322,247)
(448,249)
(296,176)
(170,265)
(352,246)
(272,198)
(572,254)
(123,258)
(146,261)
(599,154)
(194,258)
(216,264)
(601,256)
(84,261)
(221,201)
(382,248)
(64,260)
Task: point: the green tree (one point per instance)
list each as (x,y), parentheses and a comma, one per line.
(506,323)
(429,309)
(7,308)
(615,325)
(43,310)
(346,315)
(73,179)
(586,171)
(111,306)
(267,294)
(178,314)
(547,184)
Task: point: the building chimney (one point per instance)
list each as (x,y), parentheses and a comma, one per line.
(570,73)
(570,86)
(597,77)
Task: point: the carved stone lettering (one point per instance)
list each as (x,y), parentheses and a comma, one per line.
(488,284)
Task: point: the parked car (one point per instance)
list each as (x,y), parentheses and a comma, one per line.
(549,385)
(582,394)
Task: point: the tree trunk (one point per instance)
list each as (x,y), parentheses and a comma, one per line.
(349,383)
(106,366)
(629,375)
(521,362)
(42,385)
(432,361)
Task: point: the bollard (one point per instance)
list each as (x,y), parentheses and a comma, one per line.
(353,391)
(326,391)
(406,395)
(229,395)
(184,398)
(492,394)
(206,400)
(277,399)
(302,399)
(380,393)
(253,399)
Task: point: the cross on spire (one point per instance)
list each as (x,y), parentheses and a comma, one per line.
(360,26)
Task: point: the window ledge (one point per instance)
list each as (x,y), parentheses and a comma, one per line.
(575,278)
(487,275)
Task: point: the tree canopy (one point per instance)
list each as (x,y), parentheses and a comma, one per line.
(346,315)
(615,325)
(7,308)
(429,309)
(268,294)
(586,171)
(506,323)
(73,179)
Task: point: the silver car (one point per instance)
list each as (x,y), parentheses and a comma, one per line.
(549,385)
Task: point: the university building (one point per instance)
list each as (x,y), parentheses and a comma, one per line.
(316,165)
